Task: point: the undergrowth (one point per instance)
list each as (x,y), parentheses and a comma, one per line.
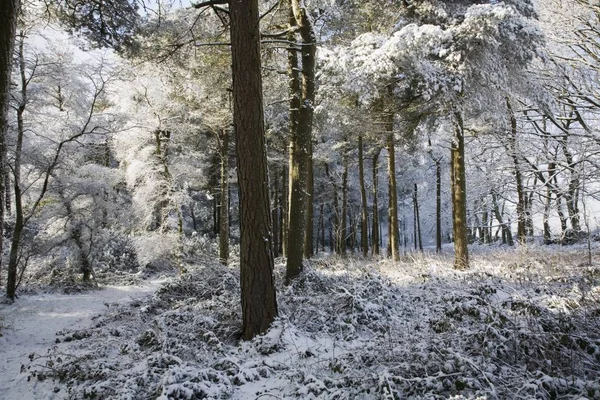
(349,329)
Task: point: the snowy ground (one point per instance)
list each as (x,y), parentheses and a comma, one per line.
(522,323)
(30,326)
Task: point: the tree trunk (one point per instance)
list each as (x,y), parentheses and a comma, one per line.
(506,232)
(9,10)
(418,237)
(438,206)
(13,259)
(310,206)
(283,218)
(512,148)
(364,220)
(275,214)
(259,304)
(297,165)
(375,225)
(392,187)
(344,216)
(305,117)
(459,195)
(224,209)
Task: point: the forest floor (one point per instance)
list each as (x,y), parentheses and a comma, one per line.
(30,326)
(520,323)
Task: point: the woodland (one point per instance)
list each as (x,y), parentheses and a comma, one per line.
(312,199)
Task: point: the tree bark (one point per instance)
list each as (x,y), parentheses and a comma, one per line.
(15,246)
(392,187)
(438,206)
(375,225)
(364,220)
(275,214)
(297,165)
(417,220)
(224,196)
(310,205)
(512,148)
(459,195)
(344,216)
(9,10)
(258,298)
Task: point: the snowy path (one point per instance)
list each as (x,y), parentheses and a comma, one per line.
(30,326)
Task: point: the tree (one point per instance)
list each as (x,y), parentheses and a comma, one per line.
(301,185)
(259,305)
(8,20)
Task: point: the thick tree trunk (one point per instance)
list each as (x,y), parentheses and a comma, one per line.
(259,305)
(9,10)
(364,220)
(375,224)
(297,165)
(224,195)
(459,195)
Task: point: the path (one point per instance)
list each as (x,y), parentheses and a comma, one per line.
(30,326)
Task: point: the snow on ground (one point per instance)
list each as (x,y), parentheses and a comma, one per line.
(30,325)
(521,323)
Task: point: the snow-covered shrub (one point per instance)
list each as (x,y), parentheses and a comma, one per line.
(118,253)
(516,324)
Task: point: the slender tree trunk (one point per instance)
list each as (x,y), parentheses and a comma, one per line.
(259,305)
(393,191)
(13,260)
(275,215)
(336,242)
(418,219)
(224,209)
(438,206)
(459,195)
(364,220)
(283,230)
(7,194)
(310,206)
(9,10)
(375,224)
(322,227)
(512,148)
(344,216)
(506,232)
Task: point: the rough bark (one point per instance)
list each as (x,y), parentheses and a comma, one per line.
(9,10)
(259,305)
(459,195)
